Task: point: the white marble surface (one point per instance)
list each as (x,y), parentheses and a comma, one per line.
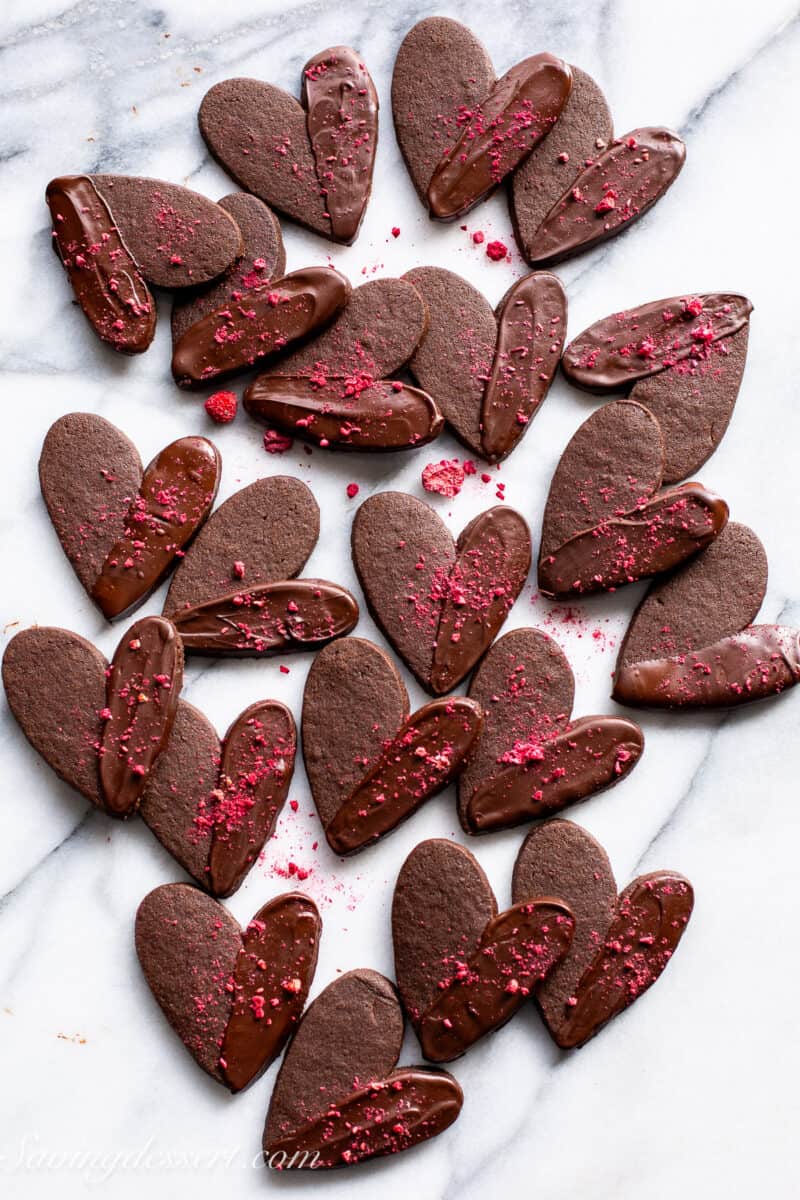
(694,1091)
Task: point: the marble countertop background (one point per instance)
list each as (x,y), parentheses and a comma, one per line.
(693,1092)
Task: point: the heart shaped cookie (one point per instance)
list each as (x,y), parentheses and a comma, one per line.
(690,643)
(241,334)
(340,1098)
(621,943)
(334,391)
(235,591)
(531,759)
(371,765)
(439,602)
(211,806)
(232,996)
(683,358)
(489,371)
(263,259)
(606,522)
(312,161)
(610,190)
(462,131)
(462,968)
(122,526)
(584,127)
(115,234)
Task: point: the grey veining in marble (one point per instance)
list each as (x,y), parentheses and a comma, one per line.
(693,1092)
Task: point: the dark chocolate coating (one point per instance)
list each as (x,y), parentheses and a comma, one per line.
(498,134)
(142,695)
(104,275)
(618,187)
(263,325)
(381,416)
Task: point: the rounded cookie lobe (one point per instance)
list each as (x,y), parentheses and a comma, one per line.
(613,459)
(55,683)
(269,319)
(188,946)
(350,1035)
(255,772)
(179,796)
(693,402)
(560,859)
(374,336)
(89,474)
(354,702)
(441,70)
(177,237)
(615,189)
(173,501)
(584,127)
(104,275)
(263,259)
(498,133)
(637,343)
(525,687)
(343,415)
(258,134)
(453,361)
(142,694)
(403,553)
(269,528)
(715,596)
(273,972)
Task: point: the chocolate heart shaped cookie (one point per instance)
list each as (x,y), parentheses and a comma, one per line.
(621,943)
(606,522)
(263,259)
(122,526)
(610,190)
(340,1098)
(232,996)
(117,233)
(683,358)
(235,591)
(334,391)
(268,320)
(462,131)
(312,161)
(211,806)
(531,759)
(462,968)
(371,765)
(690,643)
(584,128)
(439,602)
(489,371)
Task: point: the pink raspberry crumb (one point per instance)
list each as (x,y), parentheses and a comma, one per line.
(352,490)
(496,251)
(276,443)
(445,477)
(222,406)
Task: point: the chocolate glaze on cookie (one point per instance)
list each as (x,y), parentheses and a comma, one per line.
(616,188)
(264,324)
(105,278)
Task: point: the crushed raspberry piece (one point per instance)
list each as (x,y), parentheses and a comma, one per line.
(694,306)
(276,443)
(469,467)
(477,237)
(445,477)
(395,231)
(496,251)
(352,490)
(222,406)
